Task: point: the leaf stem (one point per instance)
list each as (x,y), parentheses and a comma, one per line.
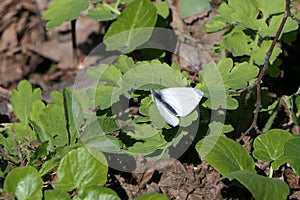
(257,83)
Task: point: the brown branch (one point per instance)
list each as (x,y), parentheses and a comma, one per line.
(264,69)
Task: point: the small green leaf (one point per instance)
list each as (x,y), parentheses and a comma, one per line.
(261,187)
(97,193)
(63,11)
(24,183)
(292,149)
(152,196)
(224,155)
(105,73)
(81,168)
(132,28)
(269,146)
(56,194)
(238,42)
(192,7)
(101,13)
(162,9)
(125,63)
(149,145)
(259,54)
(8,141)
(23,98)
(54,122)
(103,96)
(268,7)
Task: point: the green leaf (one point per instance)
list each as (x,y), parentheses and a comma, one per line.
(60,11)
(269,146)
(238,42)
(152,196)
(23,98)
(162,9)
(56,194)
(24,133)
(224,155)
(149,144)
(54,123)
(192,7)
(101,13)
(268,7)
(103,96)
(125,63)
(49,165)
(292,149)
(73,113)
(259,54)
(132,28)
(105,73)
(97,193)
(81,168)
(24,183)
(261,187)
(270,29)
(8,141)
(240,75)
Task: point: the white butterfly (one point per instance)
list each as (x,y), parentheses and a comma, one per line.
(172,102)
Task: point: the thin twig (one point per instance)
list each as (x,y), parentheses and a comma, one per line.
(264,69)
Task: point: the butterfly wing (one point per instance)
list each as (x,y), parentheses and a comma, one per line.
(183,100)
(165,113)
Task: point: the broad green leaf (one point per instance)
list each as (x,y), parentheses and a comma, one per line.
(152,196)
(56,194)
(188,8)
(292,149)
(101,13)
(261,187)
(224,155)
(132,28)
(81,168)
(24,183)
(269,146)
(108,124)
(60,11)
(97,193)
(23,98)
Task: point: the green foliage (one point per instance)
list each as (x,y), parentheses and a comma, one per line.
(132,28)
(23,99)
(269,147)
(81,168)
(63,11)
(24,183)
(72,131)
(261,187)
(192,7)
